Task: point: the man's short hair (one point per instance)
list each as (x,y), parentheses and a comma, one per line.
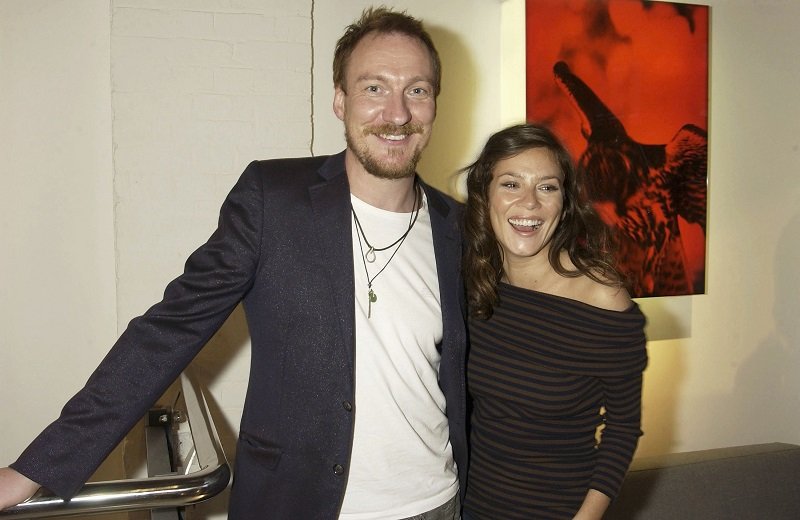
(383,21)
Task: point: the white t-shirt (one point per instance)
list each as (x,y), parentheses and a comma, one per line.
(402,462)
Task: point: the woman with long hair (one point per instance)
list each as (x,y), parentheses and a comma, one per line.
(557,346)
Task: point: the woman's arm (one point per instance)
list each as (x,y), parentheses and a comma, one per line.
(593,507)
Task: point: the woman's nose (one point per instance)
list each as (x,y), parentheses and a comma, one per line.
(531,199)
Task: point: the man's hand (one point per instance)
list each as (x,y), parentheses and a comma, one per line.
(15,488)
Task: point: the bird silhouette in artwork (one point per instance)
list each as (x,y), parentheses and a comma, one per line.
(641,190)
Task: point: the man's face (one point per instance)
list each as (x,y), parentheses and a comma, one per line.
(389,107)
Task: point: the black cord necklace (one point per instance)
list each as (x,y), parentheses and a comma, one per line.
(371,250)
(372,297)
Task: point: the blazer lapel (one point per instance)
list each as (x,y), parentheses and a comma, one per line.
(330,203)
(445,223)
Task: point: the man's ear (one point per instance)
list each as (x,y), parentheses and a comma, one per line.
(338,103)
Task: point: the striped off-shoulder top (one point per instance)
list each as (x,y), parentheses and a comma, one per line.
(556,390)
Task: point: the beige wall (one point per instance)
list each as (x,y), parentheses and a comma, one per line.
(95,222)
(57,257)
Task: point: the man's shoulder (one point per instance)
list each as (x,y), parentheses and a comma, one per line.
(442,201)
(294,171)
(312,163)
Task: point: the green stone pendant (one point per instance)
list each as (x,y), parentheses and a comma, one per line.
(372,299)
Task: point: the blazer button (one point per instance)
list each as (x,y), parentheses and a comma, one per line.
(338,469)
(347,406)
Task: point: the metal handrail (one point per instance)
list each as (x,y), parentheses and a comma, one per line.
(158,492)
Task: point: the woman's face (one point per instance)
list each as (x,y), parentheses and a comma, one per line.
(526,199)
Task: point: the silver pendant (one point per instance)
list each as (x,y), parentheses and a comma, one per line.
(370,256)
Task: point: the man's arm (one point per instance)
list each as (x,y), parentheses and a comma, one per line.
(153,349)
(15,487)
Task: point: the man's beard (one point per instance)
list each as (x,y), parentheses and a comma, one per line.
(373,165)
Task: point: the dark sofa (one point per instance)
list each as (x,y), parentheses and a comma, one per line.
(755,482)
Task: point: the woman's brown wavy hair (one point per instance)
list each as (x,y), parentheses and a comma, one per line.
(580,232)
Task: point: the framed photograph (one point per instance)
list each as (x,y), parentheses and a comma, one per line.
(624,83)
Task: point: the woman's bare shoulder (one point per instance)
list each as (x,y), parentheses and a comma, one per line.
(610,297)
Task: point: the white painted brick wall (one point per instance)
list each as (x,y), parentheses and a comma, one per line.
(199,89)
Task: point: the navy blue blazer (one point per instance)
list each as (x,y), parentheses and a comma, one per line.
(283,247)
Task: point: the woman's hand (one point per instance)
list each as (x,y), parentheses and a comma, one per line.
(593,507)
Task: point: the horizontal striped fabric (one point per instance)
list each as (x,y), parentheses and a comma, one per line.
(545,373)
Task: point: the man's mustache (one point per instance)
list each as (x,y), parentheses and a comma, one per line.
(390,129)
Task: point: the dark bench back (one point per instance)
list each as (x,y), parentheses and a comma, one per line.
(756,482)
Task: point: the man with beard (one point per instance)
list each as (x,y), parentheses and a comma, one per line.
(348,268)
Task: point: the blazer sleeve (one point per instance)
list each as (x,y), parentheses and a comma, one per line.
(154,348)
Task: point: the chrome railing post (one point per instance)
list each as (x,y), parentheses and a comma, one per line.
(173,490)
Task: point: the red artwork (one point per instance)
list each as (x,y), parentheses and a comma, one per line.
(624,83)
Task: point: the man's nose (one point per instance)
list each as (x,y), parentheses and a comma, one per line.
(396,110)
